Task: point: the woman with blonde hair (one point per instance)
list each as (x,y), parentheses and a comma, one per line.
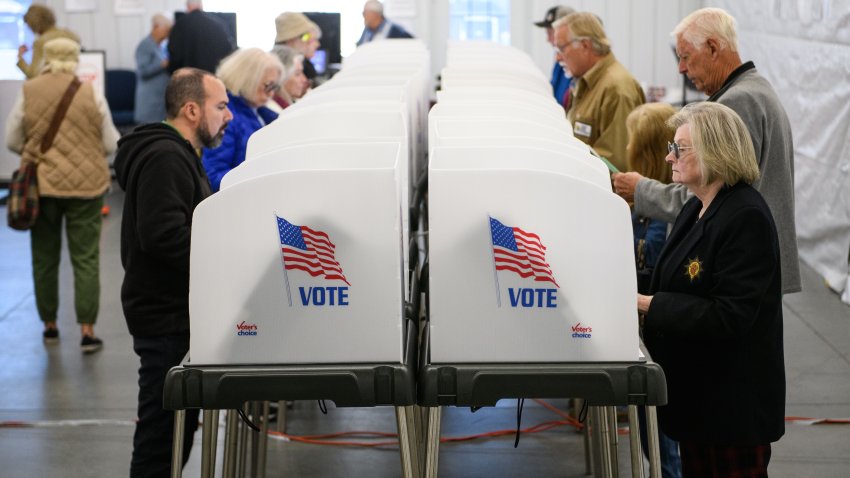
(649,135)
(42,22)
(251,77)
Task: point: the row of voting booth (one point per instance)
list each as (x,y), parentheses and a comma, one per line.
(375,250)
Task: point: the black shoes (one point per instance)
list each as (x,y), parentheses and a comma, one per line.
(51,336)
(91,344)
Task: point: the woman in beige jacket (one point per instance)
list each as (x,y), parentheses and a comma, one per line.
(73,176)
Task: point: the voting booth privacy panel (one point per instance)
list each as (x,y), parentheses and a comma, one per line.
(530,251)
(300,258)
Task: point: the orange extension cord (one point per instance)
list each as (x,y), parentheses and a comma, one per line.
(332,438)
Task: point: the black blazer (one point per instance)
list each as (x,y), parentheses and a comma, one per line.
(715,322)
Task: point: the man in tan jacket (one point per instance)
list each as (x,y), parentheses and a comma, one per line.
(73,176)
(604,92)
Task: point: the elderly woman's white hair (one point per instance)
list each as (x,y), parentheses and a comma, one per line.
(243,70)
(61,55)
(290,57)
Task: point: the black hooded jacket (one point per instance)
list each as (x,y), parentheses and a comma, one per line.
(164,181)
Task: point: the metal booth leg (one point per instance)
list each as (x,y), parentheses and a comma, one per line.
(241,445)
(613,439)
(433,449)
(652,438)
(264,441)
(634,443)
(230,435)
(210,439)
(281,416)
(599,436)
(177,446)
(407,442)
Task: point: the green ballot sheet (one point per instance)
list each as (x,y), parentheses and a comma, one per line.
(609,164)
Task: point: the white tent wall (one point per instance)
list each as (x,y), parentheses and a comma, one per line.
(803,49)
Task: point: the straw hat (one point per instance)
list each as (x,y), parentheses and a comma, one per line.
(292,25)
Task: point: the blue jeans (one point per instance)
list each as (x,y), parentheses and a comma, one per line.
(155,428)
(671,461)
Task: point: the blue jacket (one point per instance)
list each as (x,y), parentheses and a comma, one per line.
(650,236)
(231,153)
(560,83)
(151,81)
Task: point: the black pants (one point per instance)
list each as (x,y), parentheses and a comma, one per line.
(154,431)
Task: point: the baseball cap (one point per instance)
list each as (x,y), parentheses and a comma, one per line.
(554,13)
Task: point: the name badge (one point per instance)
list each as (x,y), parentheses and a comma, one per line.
(582,129)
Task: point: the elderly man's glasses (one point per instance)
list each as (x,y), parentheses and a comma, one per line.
(561,48)
(675,149)
(271,87)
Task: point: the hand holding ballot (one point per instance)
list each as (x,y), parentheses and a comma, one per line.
(625,184)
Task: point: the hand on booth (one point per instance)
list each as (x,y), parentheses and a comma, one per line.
(643,303)
(625,184)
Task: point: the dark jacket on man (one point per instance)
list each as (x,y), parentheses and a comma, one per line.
(164,182)
(199,40)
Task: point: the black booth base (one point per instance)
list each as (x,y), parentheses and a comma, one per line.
(347,385)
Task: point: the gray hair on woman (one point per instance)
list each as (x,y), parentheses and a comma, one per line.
(290,57)
(721,141)
(243,70)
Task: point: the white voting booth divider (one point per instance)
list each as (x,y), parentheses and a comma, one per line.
(534,263)
(299,283)
(301,257)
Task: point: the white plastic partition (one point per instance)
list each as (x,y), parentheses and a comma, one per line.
(481,314)
(530,251)
(325,286)
(498,158)
(484,129)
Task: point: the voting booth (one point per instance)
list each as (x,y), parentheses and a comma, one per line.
(310,280)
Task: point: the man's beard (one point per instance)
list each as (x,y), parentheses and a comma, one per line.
(207,140)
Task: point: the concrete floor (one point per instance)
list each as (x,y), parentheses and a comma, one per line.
(84,405)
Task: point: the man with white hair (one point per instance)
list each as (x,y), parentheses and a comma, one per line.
(707,46)
(198,40)
(152,73)
(376,26)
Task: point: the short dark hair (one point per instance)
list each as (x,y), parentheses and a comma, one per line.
(187,84)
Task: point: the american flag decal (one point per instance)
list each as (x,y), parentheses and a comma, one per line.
(520,252)
(308,250)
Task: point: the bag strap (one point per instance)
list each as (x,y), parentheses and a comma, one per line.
(59,115)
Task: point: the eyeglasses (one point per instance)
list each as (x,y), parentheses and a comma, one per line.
(561,48)
(675,149)
(306,37)
(271,87)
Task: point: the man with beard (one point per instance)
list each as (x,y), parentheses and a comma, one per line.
(159,167)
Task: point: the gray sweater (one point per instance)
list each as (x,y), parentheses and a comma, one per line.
(754,99)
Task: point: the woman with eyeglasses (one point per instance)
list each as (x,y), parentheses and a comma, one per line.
(713,316)
(294,84)
(252,76)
